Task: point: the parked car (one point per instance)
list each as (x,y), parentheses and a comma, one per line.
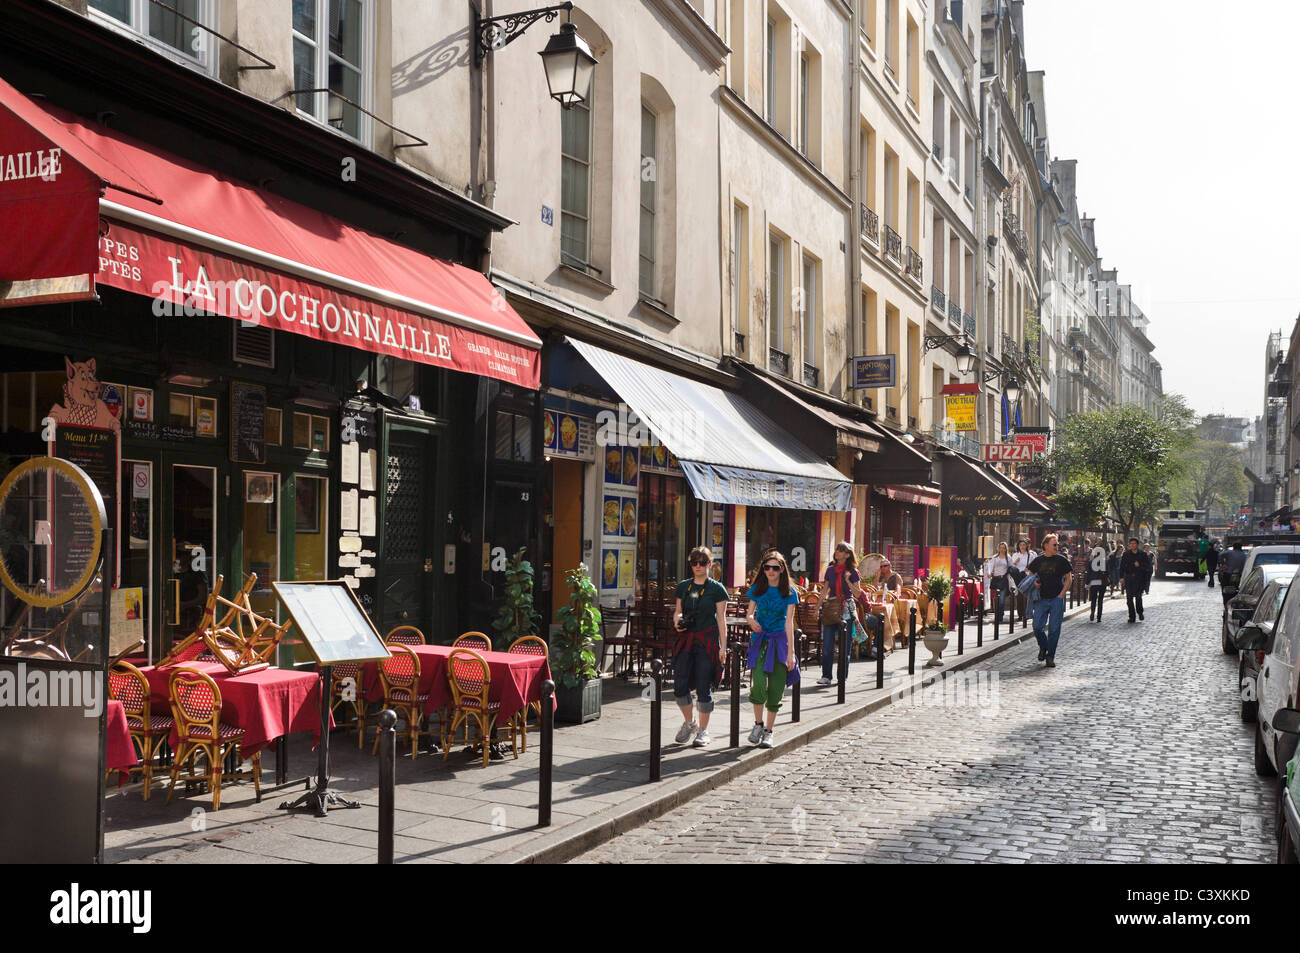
(1263,619)
(1240,609)
(1268,554)
(1276,688)
(1288,801)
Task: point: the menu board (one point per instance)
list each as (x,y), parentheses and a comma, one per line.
(96,451)
(620,472)
(659,459)
(358,500)
(568,435)
(902,559)
(331,621)
(247,422)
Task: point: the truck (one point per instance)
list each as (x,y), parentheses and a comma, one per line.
(1178,546)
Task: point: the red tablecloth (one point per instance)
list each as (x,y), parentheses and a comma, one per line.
(266,704)
(515,680)
(121,753)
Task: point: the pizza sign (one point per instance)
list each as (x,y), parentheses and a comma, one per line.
(1008,453)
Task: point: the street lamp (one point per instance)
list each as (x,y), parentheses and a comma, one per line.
(566,59)
(965,359)
(1013,393)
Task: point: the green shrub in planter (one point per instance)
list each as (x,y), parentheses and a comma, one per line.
(573,655)
(938,587)
(517,617)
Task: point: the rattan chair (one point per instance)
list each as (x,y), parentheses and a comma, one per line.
(127,684)
(405,635)
(470,680)
(345,691)
(528,645)
(400,676)
(196,707)
(807,619)
(478,641)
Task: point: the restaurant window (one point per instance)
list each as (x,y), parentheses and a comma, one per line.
(135,539)
(162,29)
(875,538)
(792,532)
(260,537)
(396,377)
(311,432)
(329,56)
(661,547)
(310,532)
(514,437)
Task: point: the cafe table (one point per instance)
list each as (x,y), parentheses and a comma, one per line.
(514,680)
(885,610)
(120,754)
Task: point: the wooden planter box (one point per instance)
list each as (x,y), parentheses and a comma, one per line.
(574,706)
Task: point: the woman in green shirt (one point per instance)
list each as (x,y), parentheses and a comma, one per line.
(700,619)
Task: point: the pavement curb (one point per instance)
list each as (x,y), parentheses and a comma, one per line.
(581,836)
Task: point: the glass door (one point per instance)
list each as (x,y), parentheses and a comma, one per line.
(260,538)
(190,551)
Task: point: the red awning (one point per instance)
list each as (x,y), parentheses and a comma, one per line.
(185,235)
(911,494)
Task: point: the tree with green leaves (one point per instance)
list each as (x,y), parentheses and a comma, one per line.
(1213,476)
(1134,455)
(1082,501)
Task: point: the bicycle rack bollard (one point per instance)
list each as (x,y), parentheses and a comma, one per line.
(979,626)
(997,622)
(733,673)
(387,770)
(911,641)
(842,673)
(880,657)
(656,718)
(800,652)
(961,628)
(548,748)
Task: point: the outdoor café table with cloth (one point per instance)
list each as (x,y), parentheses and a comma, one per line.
(515,680)
(267,704)
(120,754)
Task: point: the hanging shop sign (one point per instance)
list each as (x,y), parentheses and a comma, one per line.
(875,370)
(1036,440)
(959,411)
(1007,453)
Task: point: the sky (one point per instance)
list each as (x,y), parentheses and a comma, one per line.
(1181,114)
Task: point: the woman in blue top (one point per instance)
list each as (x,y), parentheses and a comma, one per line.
(772,662)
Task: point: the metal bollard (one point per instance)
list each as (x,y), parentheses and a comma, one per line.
(387,770)
(997,622)
(794,690)
(939,614)
(880,657)
(961,628)
(656,719)
(733,673)
(979,627)
(843,671)
(911,641)
(548,748)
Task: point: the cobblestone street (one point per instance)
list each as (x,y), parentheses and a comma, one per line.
(1131,750)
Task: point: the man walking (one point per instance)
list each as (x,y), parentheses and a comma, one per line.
(1096,577)
(1133,570)
(1053,572)
(1234,560)
(1212,560)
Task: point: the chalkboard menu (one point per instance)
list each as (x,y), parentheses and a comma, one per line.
(96,451)
(247,422)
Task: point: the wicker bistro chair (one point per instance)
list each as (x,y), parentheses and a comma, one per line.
(478,641)
(528,645)
(470,681)
(347,694)
(405,635)
(127,684)
(807,620)
(400,676)
(196,707)
(613,620)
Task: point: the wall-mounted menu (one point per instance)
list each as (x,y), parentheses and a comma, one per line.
(247,422)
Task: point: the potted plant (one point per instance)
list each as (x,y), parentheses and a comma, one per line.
(573,655)
(938,587)
(517,617)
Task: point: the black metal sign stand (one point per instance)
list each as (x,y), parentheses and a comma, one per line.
(319,800)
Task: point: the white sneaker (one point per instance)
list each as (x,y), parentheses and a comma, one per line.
(767,741)
(755,734)
(684,732)
(824,681)
(702,739)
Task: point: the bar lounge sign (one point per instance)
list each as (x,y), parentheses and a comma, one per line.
(978,505)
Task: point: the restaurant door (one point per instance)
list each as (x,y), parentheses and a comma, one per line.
(410,534)
(661,545)
(189,552)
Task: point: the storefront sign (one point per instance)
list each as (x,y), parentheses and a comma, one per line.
(1007,453)
(721,484)
(875,370)
(571,436)
(247,422)
(903,560)
(1036,440)
(979,505)
(959,411)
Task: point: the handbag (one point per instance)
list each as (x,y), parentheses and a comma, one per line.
(831,610)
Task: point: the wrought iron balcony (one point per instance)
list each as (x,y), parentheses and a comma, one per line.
(915,265)
(954,313)
(968,324)
(1010,349)
(893,245)
(810,375)
(870,225)
(957,440)
(938,299)
(778,361)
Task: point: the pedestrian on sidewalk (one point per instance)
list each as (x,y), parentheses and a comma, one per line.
(839,588)
(700,619)
(1212,561)
(1151,566)
(997,580)
(772,663)
(1133,567)
(1096,578)
(1053,572)
(1020,563)
(1234,560)
(1112,565)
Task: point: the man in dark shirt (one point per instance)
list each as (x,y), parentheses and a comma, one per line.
(1053,571)
(1135,567)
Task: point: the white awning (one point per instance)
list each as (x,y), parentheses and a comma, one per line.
(729,450)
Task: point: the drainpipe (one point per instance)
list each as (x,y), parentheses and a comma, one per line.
(852,340)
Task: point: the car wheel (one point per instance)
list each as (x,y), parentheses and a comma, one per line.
(1249,709)
(1229,648)
(1263,767)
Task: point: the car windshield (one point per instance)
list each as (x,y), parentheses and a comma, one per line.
(1268,607)
(1265,559)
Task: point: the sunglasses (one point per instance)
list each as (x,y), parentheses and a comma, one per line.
(699,561)
(771,568)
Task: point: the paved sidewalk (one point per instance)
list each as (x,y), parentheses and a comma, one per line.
(459,811)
